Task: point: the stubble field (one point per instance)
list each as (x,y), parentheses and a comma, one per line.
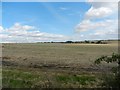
(54,64)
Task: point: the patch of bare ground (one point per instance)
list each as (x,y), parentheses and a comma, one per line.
(56,67)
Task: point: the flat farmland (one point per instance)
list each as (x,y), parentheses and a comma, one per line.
(53,58)
(56,54)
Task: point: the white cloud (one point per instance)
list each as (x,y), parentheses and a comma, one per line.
(87,25)
(99,12)
(63,8)
(1,29)
(102,0)
(19,27)
(101,9)
(100,21)
(26,33)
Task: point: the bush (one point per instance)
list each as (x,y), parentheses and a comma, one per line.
(87,41)
(115,80)
(99,42)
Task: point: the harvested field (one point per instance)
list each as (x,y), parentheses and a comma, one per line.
(70,59)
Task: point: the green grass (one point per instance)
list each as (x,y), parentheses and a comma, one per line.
(81,79)
(15,78)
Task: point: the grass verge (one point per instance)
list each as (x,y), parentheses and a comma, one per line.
(18,78)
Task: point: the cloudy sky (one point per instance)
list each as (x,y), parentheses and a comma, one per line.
(58,21)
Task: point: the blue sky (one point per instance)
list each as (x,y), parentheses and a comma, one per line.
(49,17)
(57,21)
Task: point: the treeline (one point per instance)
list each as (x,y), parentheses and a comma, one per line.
(86,41)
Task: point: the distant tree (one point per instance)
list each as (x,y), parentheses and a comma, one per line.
(52,42)
(99,42)
(92,42)
(69,42)
(87,41)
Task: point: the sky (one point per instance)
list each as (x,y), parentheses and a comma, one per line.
(58,21)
